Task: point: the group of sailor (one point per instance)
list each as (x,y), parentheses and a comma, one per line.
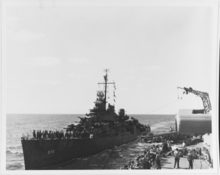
(173,137)
(150,158)
(60,134)
(75,133)
(153,154)
(81,131)
(86,132)
(47,134)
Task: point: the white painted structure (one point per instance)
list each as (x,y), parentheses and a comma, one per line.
(196,124)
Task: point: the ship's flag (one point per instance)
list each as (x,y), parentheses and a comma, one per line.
(114,94)
(114,86)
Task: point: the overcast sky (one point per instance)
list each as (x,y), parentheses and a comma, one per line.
(56,56)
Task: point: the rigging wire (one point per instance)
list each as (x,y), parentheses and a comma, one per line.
(163,106)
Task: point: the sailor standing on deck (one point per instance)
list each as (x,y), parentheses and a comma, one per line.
(146,162)
(169,145)
(190,159)
(176,158)
(34,134)
(183,144)
(158,160)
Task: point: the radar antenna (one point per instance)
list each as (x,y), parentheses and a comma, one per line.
(105,85)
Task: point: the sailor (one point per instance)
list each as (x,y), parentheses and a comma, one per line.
(158,160)
(132,166)
(169,145)
(52,134)
(183,144)
(160,149)
(190,159)
(154,148)
(146,163)
(126,167)
(62,134)
(76,133)
(166,145)
(55,134)
(37,134)
(176,158)
(157,148)
(44,134)
(81,134)
(34,134)
(40,134)
(58,134)
(87,134)
(49,134)
(149,127)
(71,134)
(199,150)
(66,135)
(129,165)
(152,156)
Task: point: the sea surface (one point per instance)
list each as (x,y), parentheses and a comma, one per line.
(18,124)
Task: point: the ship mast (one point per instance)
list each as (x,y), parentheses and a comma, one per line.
(106,83)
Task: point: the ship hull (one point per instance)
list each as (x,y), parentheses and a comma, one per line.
(39,154)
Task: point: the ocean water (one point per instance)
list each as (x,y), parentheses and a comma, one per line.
(18,124)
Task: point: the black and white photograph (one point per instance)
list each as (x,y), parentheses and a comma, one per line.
(109,85)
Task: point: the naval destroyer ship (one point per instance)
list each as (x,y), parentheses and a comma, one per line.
(102,128)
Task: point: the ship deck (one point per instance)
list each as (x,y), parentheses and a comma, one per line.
(168,162)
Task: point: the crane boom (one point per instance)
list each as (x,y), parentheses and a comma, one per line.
(203,95)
